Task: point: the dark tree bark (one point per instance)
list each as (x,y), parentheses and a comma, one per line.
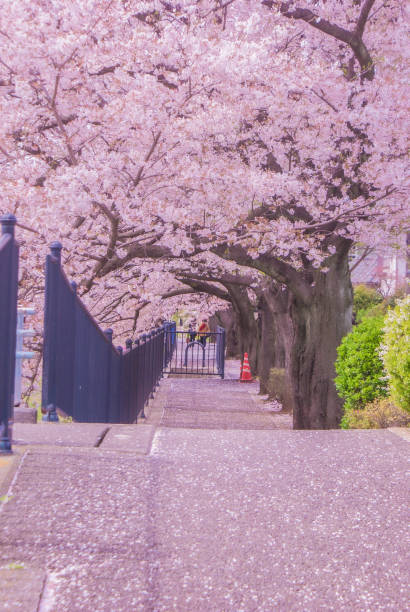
(225,318)
(245,324)
(321,313)
(276,331)
(319,327)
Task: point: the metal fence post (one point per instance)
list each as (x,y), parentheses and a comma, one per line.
(8,304)
(223,354)
(144,367)
(108,334)
(139,380)
(151,336)
(159,356)
(20,353)
(162,351)
(50,325)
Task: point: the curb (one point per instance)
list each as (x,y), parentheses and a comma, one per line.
(8,467)
(402,432)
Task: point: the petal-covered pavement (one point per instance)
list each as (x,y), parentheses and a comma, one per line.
(193,513)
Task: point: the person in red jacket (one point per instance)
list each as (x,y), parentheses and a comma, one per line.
(203,331)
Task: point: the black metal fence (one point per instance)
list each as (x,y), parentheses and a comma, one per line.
(84,375)
(220,351)
(197,353)
(8,321)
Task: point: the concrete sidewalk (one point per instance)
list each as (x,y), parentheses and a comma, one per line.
(156,518)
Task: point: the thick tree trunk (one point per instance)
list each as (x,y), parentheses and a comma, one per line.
(226,319)
(245,324)
(319,327)
(275,332)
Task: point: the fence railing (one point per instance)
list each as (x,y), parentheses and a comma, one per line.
(220,351)
(21,354)
(84,375)
(196,353)
(8,320)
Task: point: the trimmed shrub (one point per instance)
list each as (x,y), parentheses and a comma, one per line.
(360,375)
(365,299)
(395,352)
(379,414)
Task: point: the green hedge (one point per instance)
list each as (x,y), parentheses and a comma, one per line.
(364,300)
(360,374)
(395,352)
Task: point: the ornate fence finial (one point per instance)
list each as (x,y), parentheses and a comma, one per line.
(7,224)
(108,333)
(55,249)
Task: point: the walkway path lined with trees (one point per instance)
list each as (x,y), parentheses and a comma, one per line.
(237,152)
(161,517)
(215,404)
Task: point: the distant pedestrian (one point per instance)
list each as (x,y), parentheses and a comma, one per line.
(191,333)
(203,331)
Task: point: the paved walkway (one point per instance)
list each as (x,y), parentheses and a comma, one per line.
(158,518)
(215,404)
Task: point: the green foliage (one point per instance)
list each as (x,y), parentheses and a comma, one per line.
(368,302)
(360,375)
(379,414)
(379,310)
(14,565)
(396,352)
(364,298)
(5,498)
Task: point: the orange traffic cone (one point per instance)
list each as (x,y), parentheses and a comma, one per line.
(246,375)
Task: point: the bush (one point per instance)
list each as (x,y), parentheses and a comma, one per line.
(379,414)
(395,352)
(360,375)
(364,299)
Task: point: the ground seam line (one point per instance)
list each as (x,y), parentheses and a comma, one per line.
(8,494)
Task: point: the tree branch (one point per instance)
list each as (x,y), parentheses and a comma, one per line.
(364,14)
(353,39)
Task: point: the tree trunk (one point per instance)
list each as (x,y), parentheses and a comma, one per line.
(226,319)
(319,327)
(276,333)
(245,324)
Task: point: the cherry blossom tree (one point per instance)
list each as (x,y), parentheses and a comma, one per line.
(270,135)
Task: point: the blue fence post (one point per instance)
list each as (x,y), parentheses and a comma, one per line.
(223,354)
(161,352)
(144,367)
(127,383)
(154,361)
(8,324)
(140,380)
(151,336)
(49,390)
(108,334)
(157,355)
